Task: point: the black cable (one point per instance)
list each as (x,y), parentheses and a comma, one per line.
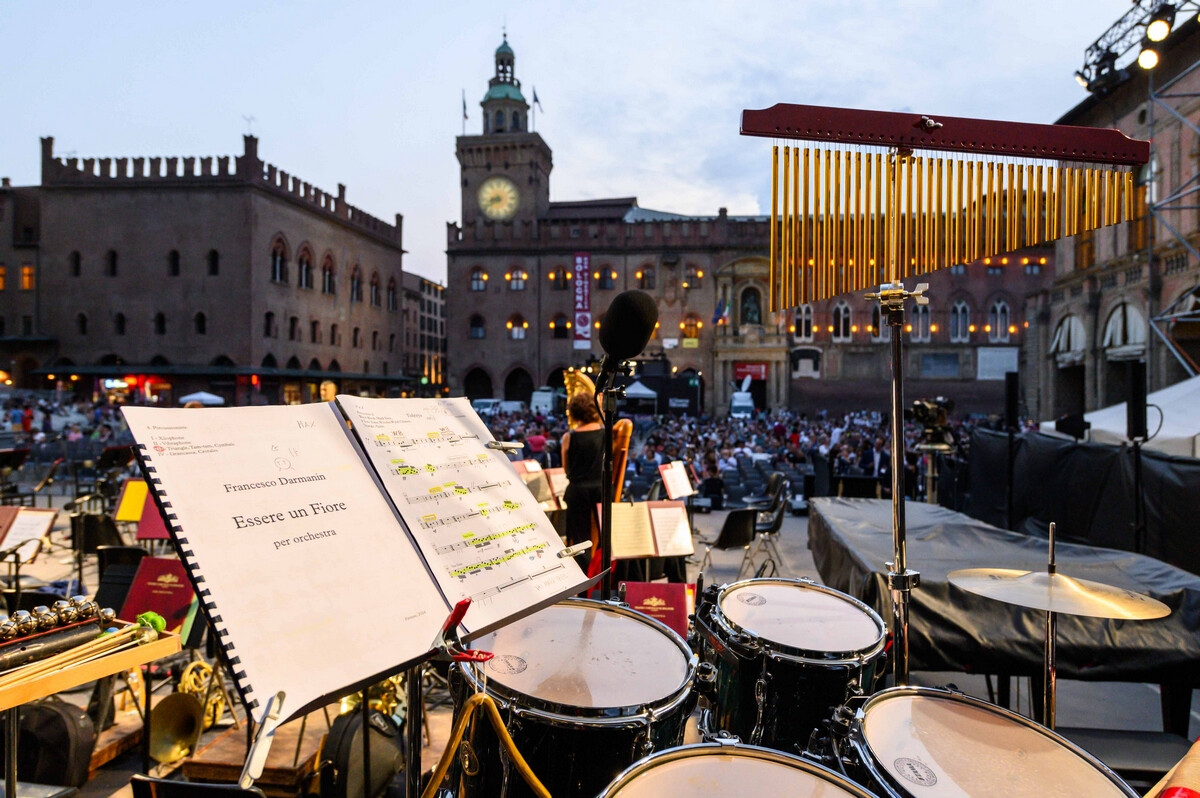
(1161,418)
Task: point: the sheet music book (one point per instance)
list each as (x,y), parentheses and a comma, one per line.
(132,500)
(557,478)
(27,525)
(325,558)
(536,479)
(675,479)
(650,529)
(160,585)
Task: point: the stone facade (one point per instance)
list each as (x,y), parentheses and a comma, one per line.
(425,334)
(225,274)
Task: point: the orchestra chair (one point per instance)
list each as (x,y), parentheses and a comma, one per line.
(28,498)
(118,565)
(29,599)
(767,525)
(737,531)
(774,489)
(147,787)
(89,532)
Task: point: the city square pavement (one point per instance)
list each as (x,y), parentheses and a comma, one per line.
(1125,706)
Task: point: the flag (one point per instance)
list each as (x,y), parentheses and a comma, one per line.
(725,315)
(536,101)
(719,311)
(464,105)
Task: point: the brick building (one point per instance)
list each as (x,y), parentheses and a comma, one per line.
(424,334)
(516,259)
(161,276)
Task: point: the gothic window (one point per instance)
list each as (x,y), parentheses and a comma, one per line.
(110,263)
(477,328)
(517,327)
(841,322)
(356,338)
(119,324)
(879,329)
(200,322)
(328,284)
(478,279)
(605,278)
(356,281)
(693,278)
(214,263)
(293,328)
(804,323)
(76,264)
(559,280)
(160,324)
(374,340)
(376,294)
(26,276)
(691,325)
(919,327)
(268,325)
(560,326)
(81,324)
(516,279)
(173,263)
(960,322)
(516,121)
(392,342)
(391,294)
(646,278)
(279,261)
(499,121)
(304,267)
(998,322)
(314,332)
(335,339)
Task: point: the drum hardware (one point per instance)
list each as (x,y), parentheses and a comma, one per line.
(1053,593)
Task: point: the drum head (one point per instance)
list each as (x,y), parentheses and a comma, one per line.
(801,616)
(585,654)
(949,746)
(704,772)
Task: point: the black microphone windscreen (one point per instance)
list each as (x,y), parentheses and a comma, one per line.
(628,324)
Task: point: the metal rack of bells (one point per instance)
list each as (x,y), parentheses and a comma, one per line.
(876,197)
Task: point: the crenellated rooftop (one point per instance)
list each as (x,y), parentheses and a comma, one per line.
(224,170)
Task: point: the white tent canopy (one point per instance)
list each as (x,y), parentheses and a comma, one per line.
(636,390)
(1180,432)
(203,397)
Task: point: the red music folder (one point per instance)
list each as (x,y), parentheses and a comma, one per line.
(669,602)
(160,585)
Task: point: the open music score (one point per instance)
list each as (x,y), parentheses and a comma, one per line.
(650,529)
(485,533)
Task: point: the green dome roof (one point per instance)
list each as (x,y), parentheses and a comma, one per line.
(504,49)
(504,91)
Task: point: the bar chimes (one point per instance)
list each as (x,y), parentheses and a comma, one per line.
(883,196)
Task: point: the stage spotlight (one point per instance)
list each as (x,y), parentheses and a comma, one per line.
(1148,57)
(1159,26)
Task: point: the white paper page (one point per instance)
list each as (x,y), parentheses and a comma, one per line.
(632,537)
(480,530)
(313,578)
(29,526)
(671,531)
(558,482)
(675,480)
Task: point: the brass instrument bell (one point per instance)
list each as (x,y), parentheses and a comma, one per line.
(176,723)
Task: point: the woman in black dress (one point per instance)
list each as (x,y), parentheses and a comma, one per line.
(582,453)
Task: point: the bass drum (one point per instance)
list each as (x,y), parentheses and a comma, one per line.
(923,741)
(787,653)
(586,689)
(725,770)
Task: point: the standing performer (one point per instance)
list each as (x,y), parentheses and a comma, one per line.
(582,450)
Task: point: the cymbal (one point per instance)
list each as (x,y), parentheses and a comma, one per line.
(1057,592)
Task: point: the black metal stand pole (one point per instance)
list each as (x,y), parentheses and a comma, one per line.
(609,411)
(147,721)
(12,731)
(412,732)
(1139,506)
(366,752)
(1011,476)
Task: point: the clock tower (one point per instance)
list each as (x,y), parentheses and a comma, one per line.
(506,170)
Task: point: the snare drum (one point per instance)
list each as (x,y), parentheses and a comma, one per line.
(924,741)
(787,652)
(714,770)
(586,689)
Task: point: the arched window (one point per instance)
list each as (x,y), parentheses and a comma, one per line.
(804,323)
(998,322)
(293,328)
(269,330)
(516,121)
(960,322)
(200,323)
(376,294)
(81,324)
(314,332)
(517,327)
(391,294)
(279,261)
(879,329)
(1125,331)
(561,326)
(173,263)
(269,362)
(356,281)
(335,337)
(119,324)
(160,324)
(76,263)
(375,340)
(693,278)
(516,279)
(214,263)
(392,342)
(499,121)
(304,266)
(559,278)
(690,326)
(751,306)
(841,322)
(355,338)
(605,277)
(919,325)
(477,327)
(479,279)
(328,277)
(110,263)
(646,278)
(1070,339)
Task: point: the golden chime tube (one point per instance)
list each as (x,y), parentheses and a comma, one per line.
(1130,196)
(927,210)
(847,228)
(939,218)
(827,229)
(797,263)
(908,217)
(860,270)
(817,231)
(880,262)
(785,236)
(1072,201)
(774,230)
(1056,185)
(839,230)
(806,291)
(1030,205)
(1010,234)
(956,170)
(1110,196)
(887,222)
(992,210)
(918,220)
(1096,195)
(976,178)
(1038,204)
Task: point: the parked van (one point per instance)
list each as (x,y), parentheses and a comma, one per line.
(509,406)
(485,407)
(547,400)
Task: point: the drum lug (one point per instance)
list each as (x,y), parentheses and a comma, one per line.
(468,759)
(706,680)
(842,722)
(760,698)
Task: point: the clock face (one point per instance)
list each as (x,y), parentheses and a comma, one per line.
(498,198)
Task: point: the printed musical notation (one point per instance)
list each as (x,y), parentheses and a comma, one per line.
(476,523)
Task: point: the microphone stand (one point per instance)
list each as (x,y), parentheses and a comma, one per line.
(608,413)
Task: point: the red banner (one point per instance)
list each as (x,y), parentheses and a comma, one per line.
(755,371)
(583,301)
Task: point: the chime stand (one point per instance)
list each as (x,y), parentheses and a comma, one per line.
(1050,688)
(901,580)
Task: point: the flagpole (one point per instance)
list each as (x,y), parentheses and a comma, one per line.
(464,119)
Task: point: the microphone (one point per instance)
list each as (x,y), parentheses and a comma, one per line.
(625,331)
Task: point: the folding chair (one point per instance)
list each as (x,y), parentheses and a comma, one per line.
(738,530)
(146,787)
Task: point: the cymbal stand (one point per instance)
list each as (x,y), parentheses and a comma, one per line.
(901,580)
(1049,693)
